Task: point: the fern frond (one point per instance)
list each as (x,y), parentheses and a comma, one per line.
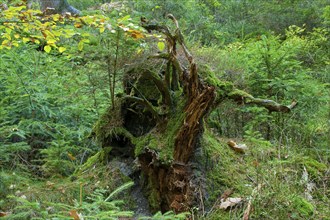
(119,189)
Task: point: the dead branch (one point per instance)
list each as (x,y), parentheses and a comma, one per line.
(179,37)
(244,98)
(161,86)
(145,103)
(273,106)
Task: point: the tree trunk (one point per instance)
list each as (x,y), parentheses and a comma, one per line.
(160,120)
(58,7)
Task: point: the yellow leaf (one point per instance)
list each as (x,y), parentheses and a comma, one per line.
(71,156)
(8,30)
(51,41)
(102,29)
(127,17)
(57,33)
(85,40)
(15,44)
(81,45)
(136,34)
(56,17)
(47,48)
(16,36)
(78,25)
(6,35)
(25,39)
(161,45)
(5,42)
(38,23)
(61,49)
(69,33)
(47,34)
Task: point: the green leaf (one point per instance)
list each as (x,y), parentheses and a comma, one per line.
(47,48)
(127,17)
(161,45)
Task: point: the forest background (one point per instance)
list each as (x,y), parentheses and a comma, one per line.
(52,92)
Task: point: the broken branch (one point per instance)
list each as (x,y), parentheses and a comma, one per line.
(145,103)
(272,106)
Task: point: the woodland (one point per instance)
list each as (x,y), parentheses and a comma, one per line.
(164,109)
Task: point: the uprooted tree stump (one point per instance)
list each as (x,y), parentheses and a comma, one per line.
(158,120)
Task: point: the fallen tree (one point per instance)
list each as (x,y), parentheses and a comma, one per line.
(158,121)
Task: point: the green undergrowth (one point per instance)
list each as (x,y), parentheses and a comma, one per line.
(291,185)
(85,191)
(95,191)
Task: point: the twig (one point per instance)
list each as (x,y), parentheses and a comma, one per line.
(202,202)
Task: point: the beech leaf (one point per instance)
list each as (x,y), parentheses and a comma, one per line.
(47,48)
(61,49)
(240,148)
(161,45)
(74,214)
(230,202)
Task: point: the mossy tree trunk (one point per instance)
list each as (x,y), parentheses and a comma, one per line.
(160,119)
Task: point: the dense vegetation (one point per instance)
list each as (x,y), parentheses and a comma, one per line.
(53,92)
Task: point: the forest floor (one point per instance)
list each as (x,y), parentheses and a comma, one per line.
(279,183)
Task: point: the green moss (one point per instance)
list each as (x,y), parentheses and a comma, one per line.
(223,88)
(98,159)
(110,123)
(313,167)
(95,159)
(236,93)
(157,142)
(119,131)
(147,89)
(110,126)
(162,138)
(154,199)
(302,206)
(223,169)
(207,75)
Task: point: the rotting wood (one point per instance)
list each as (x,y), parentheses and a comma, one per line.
(170,184)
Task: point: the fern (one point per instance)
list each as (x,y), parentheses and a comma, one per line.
(167,216)
(97,208)
(119,189)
